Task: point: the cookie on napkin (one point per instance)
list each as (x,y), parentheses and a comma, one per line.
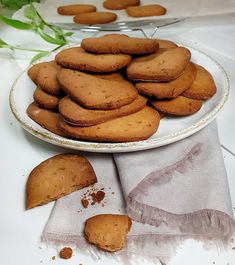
(108,231)
(57,177)
(146,11)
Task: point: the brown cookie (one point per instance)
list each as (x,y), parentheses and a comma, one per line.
(95,18)
(96,93)
(119,44)
(134,127)
(75,114)
(56,177)
(111,76)
(165,65)
(203,86)
(34,69)
(145,11)
(120,4)
(71,10)
(170,89)
(47,80)
(108,231)
(178,106)
(46,118)
(79,59)
(45,100)
(166,44)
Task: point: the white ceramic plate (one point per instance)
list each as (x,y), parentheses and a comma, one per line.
(171,129)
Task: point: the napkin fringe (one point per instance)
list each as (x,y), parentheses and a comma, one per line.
(154,247)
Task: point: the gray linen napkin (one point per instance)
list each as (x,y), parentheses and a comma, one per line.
(172,193)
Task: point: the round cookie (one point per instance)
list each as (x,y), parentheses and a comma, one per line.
(180,106)
(134,127)
(119,44)
(165,65)
(170,89)
(78,59)
(47,80)
(95,18)
(108,231)
(71,10)
(96,93)
(56,177)
(34,69)
(46,118)
(45,100)
(120,4)
(166,44)
(145,11)
(203,86)
(77,115)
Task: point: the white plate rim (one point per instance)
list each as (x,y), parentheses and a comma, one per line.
(101,147)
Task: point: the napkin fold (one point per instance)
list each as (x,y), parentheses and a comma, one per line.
(172,193)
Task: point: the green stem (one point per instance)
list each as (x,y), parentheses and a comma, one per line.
(25,49)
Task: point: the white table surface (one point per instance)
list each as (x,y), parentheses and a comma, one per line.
(20,230)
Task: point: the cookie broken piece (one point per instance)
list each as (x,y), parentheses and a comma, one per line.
(108,231)
(56,177)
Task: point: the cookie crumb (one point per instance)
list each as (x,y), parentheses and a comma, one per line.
(113,192)
(84,202)
(66,253)
(53,257)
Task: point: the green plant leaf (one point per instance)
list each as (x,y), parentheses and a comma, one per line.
(39,56)
(50,39)
(2,42)
(16,23)
(15,4)
(68,34)
(30,13)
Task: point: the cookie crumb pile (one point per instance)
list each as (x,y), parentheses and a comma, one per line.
(116,88)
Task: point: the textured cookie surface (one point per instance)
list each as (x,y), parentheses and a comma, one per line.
(45,100)
(78,59)
(70,10)
(134,127)
(146,11)
(166,44)
(34,69)
(107,231)
(47,80)
(57,177)
(170,89)
(165,65)
(95,18)
(76,114)
(120,4)
(178,106)
(93,92)
(203,86)
(46,118)
(118,43)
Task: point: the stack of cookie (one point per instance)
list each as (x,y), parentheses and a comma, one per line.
(100,81)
